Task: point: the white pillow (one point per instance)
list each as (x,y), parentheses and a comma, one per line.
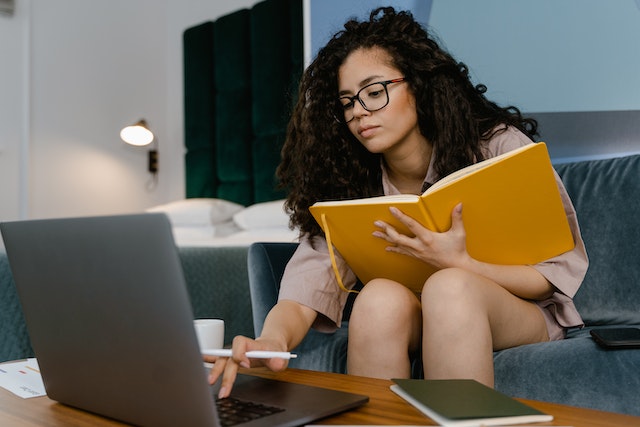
(263,215)
(197,212)
(186,233)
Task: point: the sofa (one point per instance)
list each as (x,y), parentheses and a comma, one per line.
(574,371)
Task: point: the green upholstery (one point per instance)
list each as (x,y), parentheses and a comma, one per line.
(276,58)
(241,72)
(232,77)
(199,108)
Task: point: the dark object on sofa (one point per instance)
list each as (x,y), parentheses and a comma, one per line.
(575,371)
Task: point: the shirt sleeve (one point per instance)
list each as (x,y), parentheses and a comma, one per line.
(309,279)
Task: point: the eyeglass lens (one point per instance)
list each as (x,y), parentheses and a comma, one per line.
(372,97)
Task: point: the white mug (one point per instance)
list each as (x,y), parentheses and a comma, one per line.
(210,333)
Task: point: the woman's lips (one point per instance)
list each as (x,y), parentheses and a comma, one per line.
(367,130)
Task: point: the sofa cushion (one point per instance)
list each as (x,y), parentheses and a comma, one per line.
(574,371)
(606,195)
(14,340)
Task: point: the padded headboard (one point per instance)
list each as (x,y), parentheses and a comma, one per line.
(241,74)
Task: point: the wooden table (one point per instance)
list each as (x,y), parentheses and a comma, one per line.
(384,407)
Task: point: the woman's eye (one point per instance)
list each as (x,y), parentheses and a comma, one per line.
(347,104)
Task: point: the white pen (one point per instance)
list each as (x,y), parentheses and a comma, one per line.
(257,354)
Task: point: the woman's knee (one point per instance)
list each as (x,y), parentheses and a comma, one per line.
(449,292)
(448,283)
(384,298)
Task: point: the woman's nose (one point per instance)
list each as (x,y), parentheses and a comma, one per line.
(358,109)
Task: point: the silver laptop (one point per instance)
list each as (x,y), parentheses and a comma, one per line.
(110,321)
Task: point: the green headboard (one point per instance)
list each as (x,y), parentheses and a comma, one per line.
(241,74)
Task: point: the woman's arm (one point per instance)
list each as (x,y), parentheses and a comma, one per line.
(287,324)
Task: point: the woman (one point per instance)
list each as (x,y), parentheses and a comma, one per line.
(384,110)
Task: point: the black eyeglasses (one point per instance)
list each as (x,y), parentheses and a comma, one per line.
(372,97)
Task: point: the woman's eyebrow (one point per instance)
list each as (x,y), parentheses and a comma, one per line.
(361,84)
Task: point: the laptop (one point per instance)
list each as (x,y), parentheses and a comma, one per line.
(111,324)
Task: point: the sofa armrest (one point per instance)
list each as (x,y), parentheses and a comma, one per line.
(266,263)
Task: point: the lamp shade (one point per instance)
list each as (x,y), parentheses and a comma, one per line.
(137,134)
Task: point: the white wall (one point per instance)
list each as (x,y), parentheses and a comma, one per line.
(72,74)
(12,105)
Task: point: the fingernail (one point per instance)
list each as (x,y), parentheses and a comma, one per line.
(222,393)
(245,364)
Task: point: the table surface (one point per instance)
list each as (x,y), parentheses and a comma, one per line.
(384,407)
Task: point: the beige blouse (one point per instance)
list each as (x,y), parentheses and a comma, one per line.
(309,278)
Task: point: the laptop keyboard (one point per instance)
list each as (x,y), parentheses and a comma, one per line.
(233,411)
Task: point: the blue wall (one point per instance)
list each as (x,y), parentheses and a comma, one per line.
(540,55)
(328,16)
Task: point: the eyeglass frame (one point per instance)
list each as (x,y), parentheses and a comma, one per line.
(352,99)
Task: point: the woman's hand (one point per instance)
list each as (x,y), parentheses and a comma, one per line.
(228,367)
(447,249)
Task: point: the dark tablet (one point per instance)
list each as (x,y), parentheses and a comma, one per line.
(612,338)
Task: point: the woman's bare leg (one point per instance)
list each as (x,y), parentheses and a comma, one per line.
(465,318)
(385,326)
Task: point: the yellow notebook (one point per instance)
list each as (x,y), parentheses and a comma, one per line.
(512,212)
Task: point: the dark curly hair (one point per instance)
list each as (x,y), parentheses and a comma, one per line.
(322,160)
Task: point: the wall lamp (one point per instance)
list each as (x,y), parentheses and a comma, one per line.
(7,7)
(139,135)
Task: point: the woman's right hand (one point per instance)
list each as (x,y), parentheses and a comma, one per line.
(228,366)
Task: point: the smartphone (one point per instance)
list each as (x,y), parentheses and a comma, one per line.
(612,338)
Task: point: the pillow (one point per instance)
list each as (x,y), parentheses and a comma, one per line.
(187,233)
(263,215)
(197,212)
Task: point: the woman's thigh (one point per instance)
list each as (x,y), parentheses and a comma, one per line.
(453,295)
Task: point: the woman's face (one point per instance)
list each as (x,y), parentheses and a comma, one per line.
(394,127)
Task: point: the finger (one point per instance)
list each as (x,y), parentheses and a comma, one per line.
(386,232)
(456,218)
(277,364)
(217,369)
(240,346)
(210,359)
(414,226)
(228,378)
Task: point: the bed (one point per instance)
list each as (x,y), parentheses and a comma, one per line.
(240,76)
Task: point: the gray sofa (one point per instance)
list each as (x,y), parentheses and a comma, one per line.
(575,371)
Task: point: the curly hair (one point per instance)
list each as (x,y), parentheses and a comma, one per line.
(322,160)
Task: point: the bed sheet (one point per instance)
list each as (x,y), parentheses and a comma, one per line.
(239,238)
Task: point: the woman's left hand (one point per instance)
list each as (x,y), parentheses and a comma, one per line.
(447,249)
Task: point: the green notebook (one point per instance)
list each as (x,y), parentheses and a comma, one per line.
(465,403)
